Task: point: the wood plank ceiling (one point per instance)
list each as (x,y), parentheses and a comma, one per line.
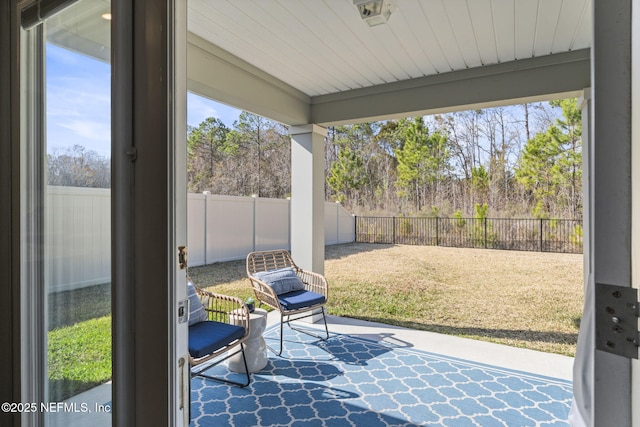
(322,46)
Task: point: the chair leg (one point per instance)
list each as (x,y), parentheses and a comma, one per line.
(278,353)
(326,328)
(324,318)
(288,322)
(222,380)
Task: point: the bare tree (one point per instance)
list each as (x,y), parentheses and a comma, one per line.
(79,167)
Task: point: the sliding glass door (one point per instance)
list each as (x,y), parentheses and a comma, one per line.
(98,214)
(66,151)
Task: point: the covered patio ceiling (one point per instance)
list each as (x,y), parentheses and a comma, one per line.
(317,61)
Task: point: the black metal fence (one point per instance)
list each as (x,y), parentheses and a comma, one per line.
(542,235)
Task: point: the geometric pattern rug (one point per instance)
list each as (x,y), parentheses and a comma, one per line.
(350,381)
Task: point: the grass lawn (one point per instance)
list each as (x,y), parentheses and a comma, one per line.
(523,299)
(79,357)
(79,340)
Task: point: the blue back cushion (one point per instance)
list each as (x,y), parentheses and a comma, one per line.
(207,337)
(281,280)
(197,313)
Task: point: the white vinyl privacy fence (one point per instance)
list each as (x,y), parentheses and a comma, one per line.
(225,228)
(220,228)
(77,237)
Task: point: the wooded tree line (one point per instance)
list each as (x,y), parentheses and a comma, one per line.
(253,157)
(519,161)
(78,167)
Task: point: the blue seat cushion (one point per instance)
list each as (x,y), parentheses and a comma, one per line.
(300,299)
(209,336)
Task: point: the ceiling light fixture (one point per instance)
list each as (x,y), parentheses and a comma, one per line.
(106,16)
(375,12)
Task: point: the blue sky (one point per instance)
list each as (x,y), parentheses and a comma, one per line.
(199,109)
(79,103)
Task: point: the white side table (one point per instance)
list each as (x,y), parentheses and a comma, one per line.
(255,348)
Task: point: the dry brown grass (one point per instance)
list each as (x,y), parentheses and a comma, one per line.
(524,299)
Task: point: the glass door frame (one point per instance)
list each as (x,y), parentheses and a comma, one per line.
(149,211)
(10,338)
(32,251)
(148,215)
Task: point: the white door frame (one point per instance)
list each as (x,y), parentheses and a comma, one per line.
(149,212)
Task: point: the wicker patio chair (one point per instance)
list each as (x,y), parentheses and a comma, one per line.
(280,284)
(217,324)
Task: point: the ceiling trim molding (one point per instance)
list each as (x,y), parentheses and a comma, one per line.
(217,74)
(528,80)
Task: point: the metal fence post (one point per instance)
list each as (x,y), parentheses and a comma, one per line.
(485,232)
(437,231)
(541,234)
(393,232)
(355,228)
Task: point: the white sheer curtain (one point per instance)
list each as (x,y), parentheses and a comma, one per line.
(581,409)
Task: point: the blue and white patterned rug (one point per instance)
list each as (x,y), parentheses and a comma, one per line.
(348,381)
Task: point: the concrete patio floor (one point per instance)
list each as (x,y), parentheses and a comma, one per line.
(519,359)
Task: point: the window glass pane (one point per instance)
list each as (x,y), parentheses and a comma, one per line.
(77,200)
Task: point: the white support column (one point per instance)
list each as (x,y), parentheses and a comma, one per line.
(307,196)
(611,218)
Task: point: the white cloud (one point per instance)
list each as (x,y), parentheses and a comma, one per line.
(96,131)
(199,109)
(78,101)
(79,112)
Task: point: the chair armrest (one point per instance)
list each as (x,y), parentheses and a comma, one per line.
(314,282)
(225,308)
(264,293)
